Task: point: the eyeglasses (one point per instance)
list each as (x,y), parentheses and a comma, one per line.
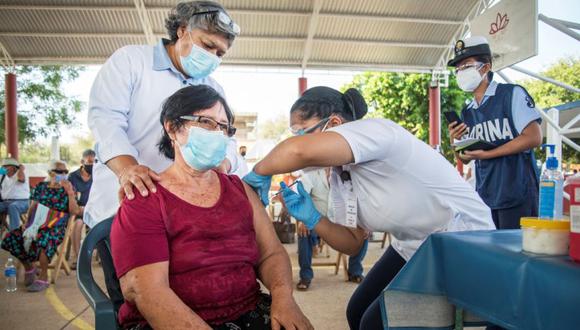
(224,21)
(476,65)
(309,130)
(211,124)
(59,171)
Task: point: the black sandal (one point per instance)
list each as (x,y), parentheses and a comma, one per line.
(303,285)
(355,278)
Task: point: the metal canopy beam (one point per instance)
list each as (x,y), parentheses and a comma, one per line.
(312,25)
(145,22)
(234,11)
(571,25)
(244,38)
(562,26)
(550,80)
(334,66)
(476,9)
(422,52)
(5,59)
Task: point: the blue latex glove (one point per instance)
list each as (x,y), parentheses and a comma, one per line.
(261,184)
(3,171)
(300,205)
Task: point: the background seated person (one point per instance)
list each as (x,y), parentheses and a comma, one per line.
(82,180)
(15,191)
(189,255)
(52,202)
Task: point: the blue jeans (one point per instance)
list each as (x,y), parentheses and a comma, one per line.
(14,208)
(305,246)
(355,267)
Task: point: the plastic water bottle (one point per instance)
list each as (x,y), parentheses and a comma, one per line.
(551,188)
(10,274)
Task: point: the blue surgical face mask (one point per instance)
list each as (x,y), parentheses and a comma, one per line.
(204,149)
(199,63)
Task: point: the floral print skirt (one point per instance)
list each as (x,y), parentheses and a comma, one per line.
(47,240)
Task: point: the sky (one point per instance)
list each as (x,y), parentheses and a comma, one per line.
(271,92)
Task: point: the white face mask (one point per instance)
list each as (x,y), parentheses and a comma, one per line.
(468,79)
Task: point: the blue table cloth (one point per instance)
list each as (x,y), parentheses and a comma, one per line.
(487,274)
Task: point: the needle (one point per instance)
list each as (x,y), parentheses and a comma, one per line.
(279,191)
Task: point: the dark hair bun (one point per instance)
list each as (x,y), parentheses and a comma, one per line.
(358,102)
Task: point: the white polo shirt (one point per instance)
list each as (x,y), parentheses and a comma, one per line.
(404,187)
(14,189)
(316,184)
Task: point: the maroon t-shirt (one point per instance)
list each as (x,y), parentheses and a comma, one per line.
(212,252)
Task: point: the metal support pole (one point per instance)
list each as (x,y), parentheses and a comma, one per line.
(302,85)
(550,80)
(11,116)
(460,166)
(54,148)
(505,77)
(434,115)
(558,25)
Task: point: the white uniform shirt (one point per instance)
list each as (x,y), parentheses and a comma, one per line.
(404,187)
(124,108)
(14,189)
(316,184)
(242,169)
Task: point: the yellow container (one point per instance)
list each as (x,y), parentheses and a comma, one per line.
(551,237)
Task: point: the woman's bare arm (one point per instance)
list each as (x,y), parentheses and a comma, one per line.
(319,149)
(275,271)
(148,288)
(343,239)
(274,267)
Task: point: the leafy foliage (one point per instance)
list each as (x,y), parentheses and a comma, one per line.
(69,152)
(547,95)
(43,107)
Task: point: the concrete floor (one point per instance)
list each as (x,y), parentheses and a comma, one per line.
(62,306)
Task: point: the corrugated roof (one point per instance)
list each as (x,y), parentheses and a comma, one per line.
(331,34)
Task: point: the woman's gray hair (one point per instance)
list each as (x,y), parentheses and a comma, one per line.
(182,15)
(55,162)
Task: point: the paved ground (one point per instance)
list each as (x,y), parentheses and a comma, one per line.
(63,307)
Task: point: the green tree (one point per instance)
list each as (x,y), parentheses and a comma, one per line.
(34,153)
(403,98)
(39,152)
(43,107)
(72,152)
(547,95)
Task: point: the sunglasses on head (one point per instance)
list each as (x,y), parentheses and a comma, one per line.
(223,20)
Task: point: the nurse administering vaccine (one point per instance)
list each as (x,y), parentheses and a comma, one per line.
(383,179)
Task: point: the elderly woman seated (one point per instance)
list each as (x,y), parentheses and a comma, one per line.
(52,202)
(189,255)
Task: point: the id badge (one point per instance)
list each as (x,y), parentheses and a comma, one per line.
(351,205)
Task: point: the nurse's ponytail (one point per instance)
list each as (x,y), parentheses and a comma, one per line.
(356,106)
(321,102)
